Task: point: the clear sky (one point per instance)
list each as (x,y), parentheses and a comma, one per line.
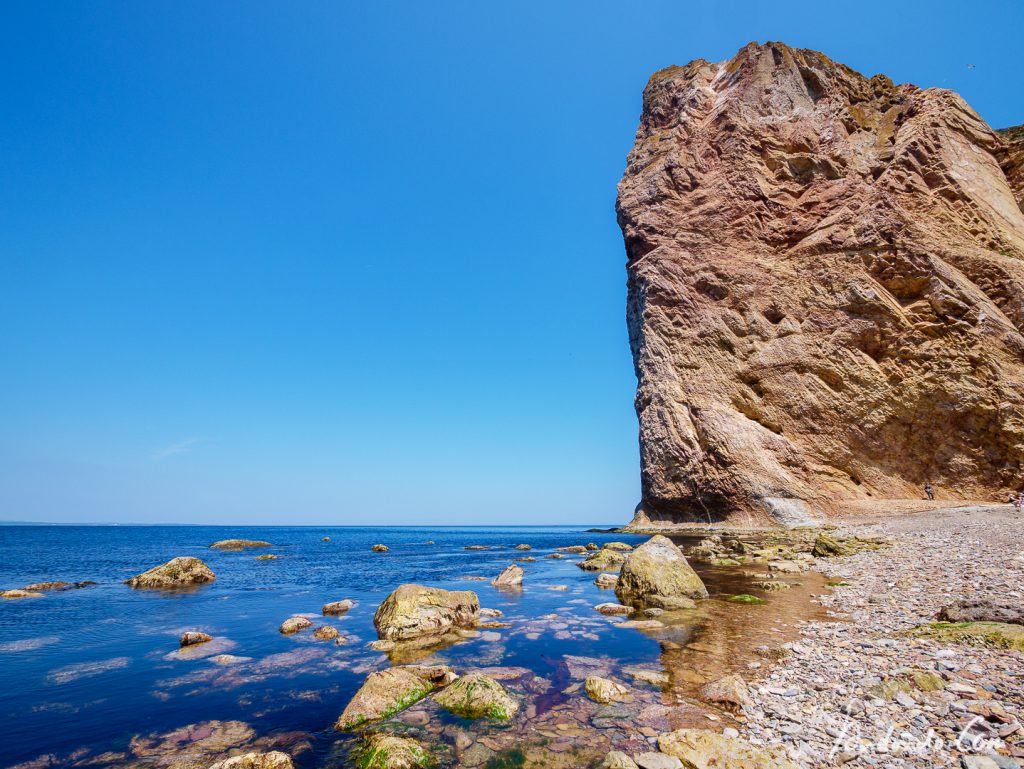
(357,263)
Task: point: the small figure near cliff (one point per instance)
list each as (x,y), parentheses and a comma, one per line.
(929,491)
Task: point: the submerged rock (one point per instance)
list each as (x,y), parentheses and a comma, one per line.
(414,610)
(652,760)
(294,625)
(57,586)
(183,571)
(337,607)
(273,759)
(193,637)
(512,576)
(388,751)
(389,691)
(239,544)
(266,557)
(603,690)
(616,759)
(476,695)
(613,609)
(703,749)
(730,690)
(380,548)
(578,549)
(656,573)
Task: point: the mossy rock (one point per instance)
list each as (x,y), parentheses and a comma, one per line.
(827,547)
(514,758)
(266,557)
(996,635)
(837,583)
(477,696)
(725,562)
(889,688)
(745,598)
(389,751)
(928,682)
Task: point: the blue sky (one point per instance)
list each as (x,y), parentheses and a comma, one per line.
(356,263)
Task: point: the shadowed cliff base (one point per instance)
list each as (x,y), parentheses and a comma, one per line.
(826,291)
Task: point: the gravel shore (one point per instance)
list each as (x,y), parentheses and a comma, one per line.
(865,691)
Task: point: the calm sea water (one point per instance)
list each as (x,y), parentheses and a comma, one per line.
(89,668)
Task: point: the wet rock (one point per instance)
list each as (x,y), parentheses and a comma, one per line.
(656,678)
(651,760)
(183,571)
(266,557)
(592,546)
(657,572)
(770,585)
(512,576)
(274,759)
(294,625)
(80,670)
(380,548)
(603,690)
(193,637)
(10,595)
(982,609)
(57,586)
(476,695)
(389,691)
(621,547)
(827,547)
(613,609)
(603,560)
(526,559)
(616,759)
(239,544)
(524,547)
(745,598)
(730,690)
(229,659)
(606,580)
(414,610)
(477,547)
(327,633)
(578,549)
(490,612)
(703,749)
(388,751)
(325,539)
(337,607)
(203,741)
(785,567)
(641,624)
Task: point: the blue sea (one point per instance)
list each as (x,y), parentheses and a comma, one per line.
(83,672)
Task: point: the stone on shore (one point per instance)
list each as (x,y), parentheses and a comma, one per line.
(604,691)
(476,695)
(193,637)
(380,548)
(337,607)
(730,690)
(388,751)
(414,610)
(1006,610)
(273,759)
(294,625)
(239,544)
(183,571)
(827,547)
(392,690)
(606,580)
(703,749)
(512,576)
(603,560)
(656,573)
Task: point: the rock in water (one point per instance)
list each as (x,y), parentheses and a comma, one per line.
(657,573)
(178,572)
(825,274)
(193,637)
(512,576)
(730,691)
(702,749)
(380,548)
(414,610)
(18,593)
(338,607)
(389,691)
(388,751)
(604,559)
(294,625)
(239,544)
(477,696)
(604,691)
(273,759)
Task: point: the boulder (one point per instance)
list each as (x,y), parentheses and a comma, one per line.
(294,625)
(603,690)
(512,576)
(620,547)
(827,547)
(183,571)
(703,749)
(327,633)
(730,691)
(10,595)
(657,573)
(273,759)
(392,690)
(606,580)
(603,560)
(388,751)
(616,759)
(380,548)
(592,546)
(578,549)
(239,544)
(476,695)
(337,607)
(613,609)
(193,637)
(414,610)
(1007,610)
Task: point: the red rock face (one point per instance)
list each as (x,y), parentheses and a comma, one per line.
(826,291)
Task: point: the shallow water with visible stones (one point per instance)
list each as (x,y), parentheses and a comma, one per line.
(84,671)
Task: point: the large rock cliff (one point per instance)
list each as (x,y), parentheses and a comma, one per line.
(826,291)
